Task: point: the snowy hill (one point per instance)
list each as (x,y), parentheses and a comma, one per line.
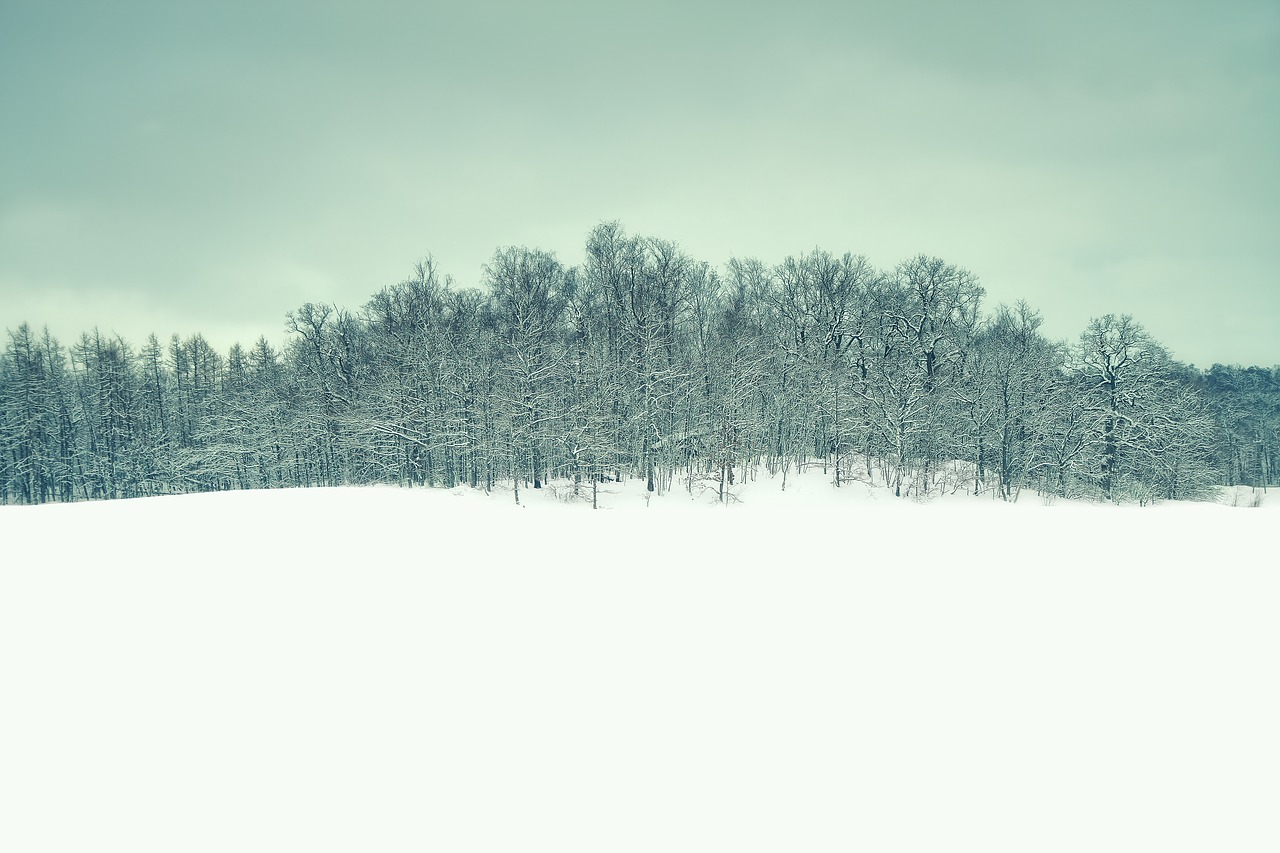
(386,669)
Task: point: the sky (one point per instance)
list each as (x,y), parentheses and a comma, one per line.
(179,168)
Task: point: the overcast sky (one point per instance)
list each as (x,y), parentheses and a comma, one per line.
(176,167)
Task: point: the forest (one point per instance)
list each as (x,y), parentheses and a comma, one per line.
(641,362)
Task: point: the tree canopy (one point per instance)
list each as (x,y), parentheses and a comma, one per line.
(644,362)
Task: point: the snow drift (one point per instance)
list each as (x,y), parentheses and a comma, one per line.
(386,669)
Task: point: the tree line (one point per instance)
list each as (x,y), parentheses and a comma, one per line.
(640,362)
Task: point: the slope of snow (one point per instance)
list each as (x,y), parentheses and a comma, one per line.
(387,669)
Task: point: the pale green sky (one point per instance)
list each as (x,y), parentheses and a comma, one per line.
(176,167)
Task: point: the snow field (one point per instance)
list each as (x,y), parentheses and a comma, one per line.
(386,669)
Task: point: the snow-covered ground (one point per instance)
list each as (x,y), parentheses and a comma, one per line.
(387,669)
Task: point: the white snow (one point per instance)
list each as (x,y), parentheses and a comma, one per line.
(387,669)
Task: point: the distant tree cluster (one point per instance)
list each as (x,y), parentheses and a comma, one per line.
(641,362)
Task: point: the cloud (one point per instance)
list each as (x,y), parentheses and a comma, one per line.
(217,162)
